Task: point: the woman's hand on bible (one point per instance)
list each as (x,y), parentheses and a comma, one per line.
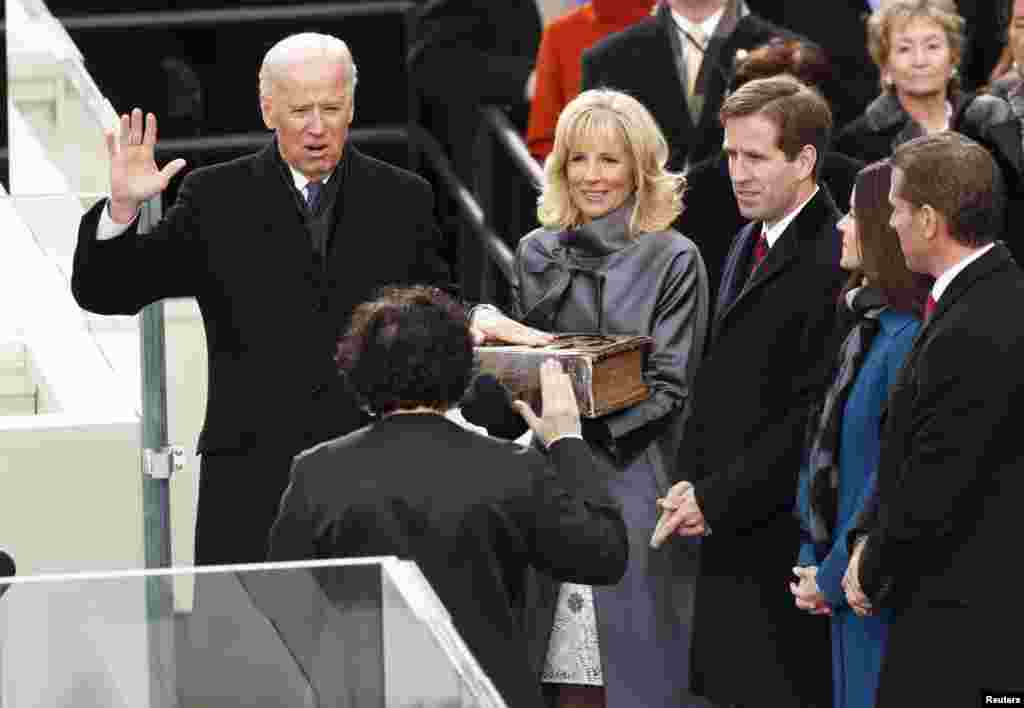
(490,325)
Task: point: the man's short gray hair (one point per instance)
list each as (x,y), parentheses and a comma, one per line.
(297,47)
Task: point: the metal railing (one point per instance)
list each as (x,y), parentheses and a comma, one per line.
(192,18)
(469,208)
(501,127)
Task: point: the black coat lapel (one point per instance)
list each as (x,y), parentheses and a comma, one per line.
(734,276)
(351,202)
(278,196)
(997,257)
(807,226)
(665,41)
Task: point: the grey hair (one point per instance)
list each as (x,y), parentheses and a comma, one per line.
(301,46)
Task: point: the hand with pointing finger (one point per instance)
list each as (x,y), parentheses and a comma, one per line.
(134,176)
(680,513)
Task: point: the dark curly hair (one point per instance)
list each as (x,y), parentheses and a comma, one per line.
(409,347)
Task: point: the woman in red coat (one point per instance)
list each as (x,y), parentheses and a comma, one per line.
(558,61)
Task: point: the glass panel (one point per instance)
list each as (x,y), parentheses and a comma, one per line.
(5,183)
(367,632)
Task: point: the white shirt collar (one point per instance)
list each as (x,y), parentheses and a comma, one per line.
(302,180)
(943,281)
(773,232)
(708,26)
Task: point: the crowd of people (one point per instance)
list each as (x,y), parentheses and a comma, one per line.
(812,505)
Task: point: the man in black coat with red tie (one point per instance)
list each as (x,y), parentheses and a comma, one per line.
(769,359)
(277,248)
(945,516)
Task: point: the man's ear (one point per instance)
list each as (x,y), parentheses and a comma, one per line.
(806,159)
(933,221)
(267,111)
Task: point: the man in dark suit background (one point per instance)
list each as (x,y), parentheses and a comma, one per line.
(476,513)
(769,358)
(678,63)
(950,482)
(277,248)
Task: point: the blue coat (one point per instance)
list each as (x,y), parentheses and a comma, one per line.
(857,643)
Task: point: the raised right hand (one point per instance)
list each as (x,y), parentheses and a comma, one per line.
(561,412)
(134,176)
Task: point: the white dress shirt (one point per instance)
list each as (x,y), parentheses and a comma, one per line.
(943,281)
(707,27)
(772,232)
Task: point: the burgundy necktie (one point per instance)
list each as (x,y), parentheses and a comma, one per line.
(760,251)
(929,308)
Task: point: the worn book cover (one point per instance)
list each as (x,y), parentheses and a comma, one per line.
(606,370)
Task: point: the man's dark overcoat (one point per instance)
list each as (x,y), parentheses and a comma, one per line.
(236,239)
(770,353)
(945,518)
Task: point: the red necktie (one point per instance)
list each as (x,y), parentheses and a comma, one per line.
(929,308)
(760,251)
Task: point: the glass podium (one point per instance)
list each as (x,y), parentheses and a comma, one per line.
(348,633)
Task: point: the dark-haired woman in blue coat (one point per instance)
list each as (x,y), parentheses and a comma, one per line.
(880,305)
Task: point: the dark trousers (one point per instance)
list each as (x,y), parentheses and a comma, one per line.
(239,494)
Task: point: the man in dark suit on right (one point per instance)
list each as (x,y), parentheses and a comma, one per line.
(770,350)
(678,63)
(951,473)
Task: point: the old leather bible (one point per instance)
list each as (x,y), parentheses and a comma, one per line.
(606,370)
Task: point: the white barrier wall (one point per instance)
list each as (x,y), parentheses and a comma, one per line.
(59,168)
(72,493)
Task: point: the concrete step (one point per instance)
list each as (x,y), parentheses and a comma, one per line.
(17,389)
(18,405)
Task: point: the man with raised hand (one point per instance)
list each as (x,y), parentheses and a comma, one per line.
(277,248)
